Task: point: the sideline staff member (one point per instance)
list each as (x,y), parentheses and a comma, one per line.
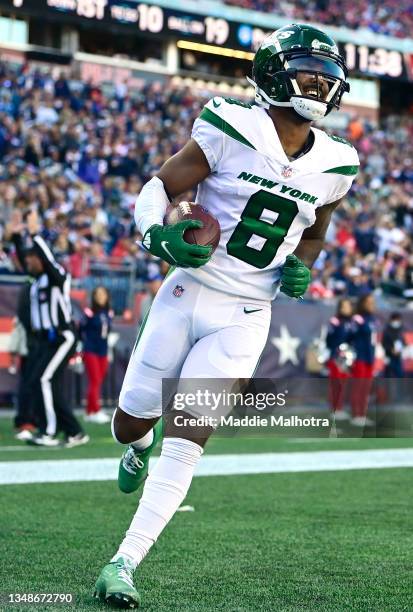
(51,323)
(393,343)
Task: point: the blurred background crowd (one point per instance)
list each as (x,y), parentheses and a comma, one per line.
(80,155)
(389,17)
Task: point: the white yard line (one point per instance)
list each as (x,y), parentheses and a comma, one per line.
(82,470)
(319,440)
(15,448)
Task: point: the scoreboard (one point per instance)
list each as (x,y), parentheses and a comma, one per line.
(153,20)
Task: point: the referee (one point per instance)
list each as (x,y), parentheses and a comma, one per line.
(54,340)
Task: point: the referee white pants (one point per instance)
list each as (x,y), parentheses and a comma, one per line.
(46,362)
(56,362)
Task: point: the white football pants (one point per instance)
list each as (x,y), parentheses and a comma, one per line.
(192,331)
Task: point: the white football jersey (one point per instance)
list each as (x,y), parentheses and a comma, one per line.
(262,200)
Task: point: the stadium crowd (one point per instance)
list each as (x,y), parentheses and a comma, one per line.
(388,17)
(80,155)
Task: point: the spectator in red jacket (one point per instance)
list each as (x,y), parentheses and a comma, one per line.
(95,327)
(364,340)
(339,334)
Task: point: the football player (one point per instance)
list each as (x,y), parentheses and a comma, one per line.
(273,181)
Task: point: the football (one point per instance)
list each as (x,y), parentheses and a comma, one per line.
(208,235)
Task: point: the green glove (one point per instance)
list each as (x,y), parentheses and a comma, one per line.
(167,242)
(295,277)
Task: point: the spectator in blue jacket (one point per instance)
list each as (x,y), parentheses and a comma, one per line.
(339,333)
(364,340)
(94,329)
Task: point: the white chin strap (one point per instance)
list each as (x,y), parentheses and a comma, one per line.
(312,110)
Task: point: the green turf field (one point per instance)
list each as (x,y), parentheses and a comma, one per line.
(102,445)
(317,541)
(325,542)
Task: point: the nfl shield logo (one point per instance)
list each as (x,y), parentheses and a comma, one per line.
(178,291)
(287,171)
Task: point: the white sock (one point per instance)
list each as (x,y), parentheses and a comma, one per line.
(144,442)
(140,444)
(165,489)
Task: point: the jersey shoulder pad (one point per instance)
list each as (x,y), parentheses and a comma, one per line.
(340,156)
(233,117)
(230,107)
(340,140)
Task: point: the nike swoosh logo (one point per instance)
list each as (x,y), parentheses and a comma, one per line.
(250,310)
(165,248)
(216,104)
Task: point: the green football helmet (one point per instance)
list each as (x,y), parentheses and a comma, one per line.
(299,48)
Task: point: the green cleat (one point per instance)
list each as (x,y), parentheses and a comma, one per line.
(115,585)
(133,467)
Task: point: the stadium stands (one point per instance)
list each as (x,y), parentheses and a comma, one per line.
(388,17)
(81,156)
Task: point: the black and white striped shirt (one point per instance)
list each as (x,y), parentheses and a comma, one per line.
(50,305)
